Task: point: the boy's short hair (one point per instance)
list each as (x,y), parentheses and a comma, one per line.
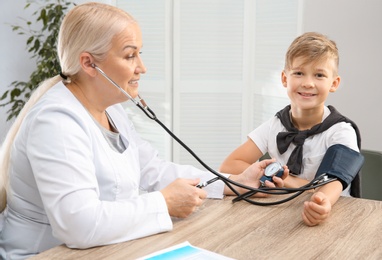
(314,47)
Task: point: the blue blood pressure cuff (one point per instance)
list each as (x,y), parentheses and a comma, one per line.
(342,163)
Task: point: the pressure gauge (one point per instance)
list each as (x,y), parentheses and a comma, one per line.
(271,170)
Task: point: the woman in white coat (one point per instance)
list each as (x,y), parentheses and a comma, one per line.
(73,165)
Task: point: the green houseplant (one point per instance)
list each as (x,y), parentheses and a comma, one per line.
(41,44)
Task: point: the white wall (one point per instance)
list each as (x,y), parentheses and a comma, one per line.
(355,25)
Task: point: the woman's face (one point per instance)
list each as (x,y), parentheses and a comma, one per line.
(123,62)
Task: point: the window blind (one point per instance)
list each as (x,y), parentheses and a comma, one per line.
(214,70)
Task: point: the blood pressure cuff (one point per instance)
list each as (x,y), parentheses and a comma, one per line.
(342,163)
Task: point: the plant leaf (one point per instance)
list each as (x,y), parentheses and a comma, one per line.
(41,44)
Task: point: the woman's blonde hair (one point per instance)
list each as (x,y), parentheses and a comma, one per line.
(89,27)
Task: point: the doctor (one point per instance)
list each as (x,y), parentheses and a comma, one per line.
(73,163)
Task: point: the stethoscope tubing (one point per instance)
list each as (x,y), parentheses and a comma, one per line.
(317,182)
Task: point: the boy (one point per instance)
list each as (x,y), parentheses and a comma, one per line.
(301,133)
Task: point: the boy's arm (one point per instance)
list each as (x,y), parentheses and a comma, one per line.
(331,190)
(241,158)
(294,182)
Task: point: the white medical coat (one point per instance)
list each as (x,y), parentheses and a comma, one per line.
(68,186)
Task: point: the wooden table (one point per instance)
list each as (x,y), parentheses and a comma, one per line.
(245,231)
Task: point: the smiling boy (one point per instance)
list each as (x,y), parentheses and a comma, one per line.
(300,134)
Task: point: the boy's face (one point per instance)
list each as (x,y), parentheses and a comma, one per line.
(309,83)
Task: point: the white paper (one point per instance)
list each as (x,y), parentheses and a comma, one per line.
(184,251)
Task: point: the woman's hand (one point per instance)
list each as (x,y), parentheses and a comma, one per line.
(182,197)
(251,177)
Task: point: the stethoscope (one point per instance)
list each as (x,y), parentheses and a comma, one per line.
(317,182)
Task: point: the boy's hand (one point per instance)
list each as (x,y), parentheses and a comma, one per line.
(317,209)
